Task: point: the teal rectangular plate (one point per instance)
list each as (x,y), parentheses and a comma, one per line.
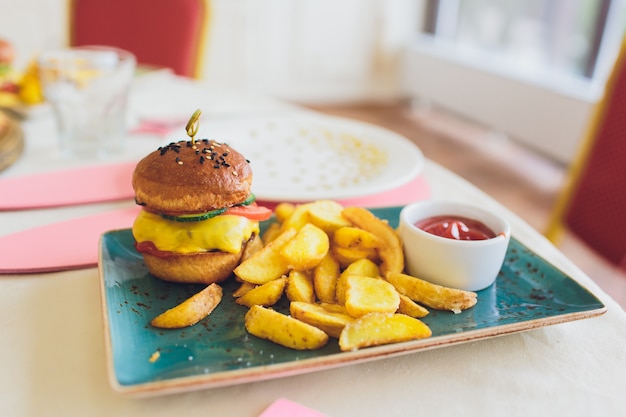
(142,360)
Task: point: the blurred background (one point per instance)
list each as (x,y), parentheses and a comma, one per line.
(468,57)
(499,91)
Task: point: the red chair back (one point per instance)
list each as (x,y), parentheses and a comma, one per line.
(595,209)
(161,33)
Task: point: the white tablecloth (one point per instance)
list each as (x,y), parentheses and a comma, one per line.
(52,348)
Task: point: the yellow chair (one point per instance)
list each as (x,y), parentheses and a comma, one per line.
(592,205)
(161,33)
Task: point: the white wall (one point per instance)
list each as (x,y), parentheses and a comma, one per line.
(311,50)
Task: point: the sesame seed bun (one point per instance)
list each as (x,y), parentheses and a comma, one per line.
(185,178)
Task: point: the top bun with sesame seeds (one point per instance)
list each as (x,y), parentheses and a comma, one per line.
(188,177)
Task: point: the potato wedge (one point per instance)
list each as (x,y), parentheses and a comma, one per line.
(243,288)
(411,308)
(298,217)
(283,210)
(307,248)
(365,295)
(272,231)
(284,330)
(190,311)
(346,256)
(432,295)
(266,294)
(364,267)
(326,214)
(354,237)
(376,329)
(267,264)
(325,276)
(332,323)
(253,245)
(333,307)
(300,286)
(391,254)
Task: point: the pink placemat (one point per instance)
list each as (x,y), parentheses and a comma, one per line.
(108,182)
(73,244)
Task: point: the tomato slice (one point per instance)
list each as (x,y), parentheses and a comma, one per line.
(251,211)
(151,249)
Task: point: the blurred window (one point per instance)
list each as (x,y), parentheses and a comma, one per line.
(568,37)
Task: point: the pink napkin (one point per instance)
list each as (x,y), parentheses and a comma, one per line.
(73,244)
(285,408)
(68,187)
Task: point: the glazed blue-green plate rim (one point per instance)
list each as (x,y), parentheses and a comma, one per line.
(141,360)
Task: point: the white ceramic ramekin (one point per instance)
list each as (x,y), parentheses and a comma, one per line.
(470,265)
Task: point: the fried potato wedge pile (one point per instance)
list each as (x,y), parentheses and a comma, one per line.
(342,271)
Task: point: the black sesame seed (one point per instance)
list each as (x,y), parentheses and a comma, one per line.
(216,166)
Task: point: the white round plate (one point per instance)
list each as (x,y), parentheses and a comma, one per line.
(309,157)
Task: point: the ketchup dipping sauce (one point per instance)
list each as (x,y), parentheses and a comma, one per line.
(453,244)
(456,227)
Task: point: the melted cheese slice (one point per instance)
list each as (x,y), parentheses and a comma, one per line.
(224,233)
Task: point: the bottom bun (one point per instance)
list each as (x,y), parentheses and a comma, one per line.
(199,268)
(193,268)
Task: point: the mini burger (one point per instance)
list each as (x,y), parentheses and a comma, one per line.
(198,215)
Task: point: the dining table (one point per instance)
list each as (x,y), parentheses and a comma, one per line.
(55,351)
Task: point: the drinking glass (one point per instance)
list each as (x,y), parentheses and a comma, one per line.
(88,89)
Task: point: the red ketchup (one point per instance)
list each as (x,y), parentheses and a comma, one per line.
(456,227)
